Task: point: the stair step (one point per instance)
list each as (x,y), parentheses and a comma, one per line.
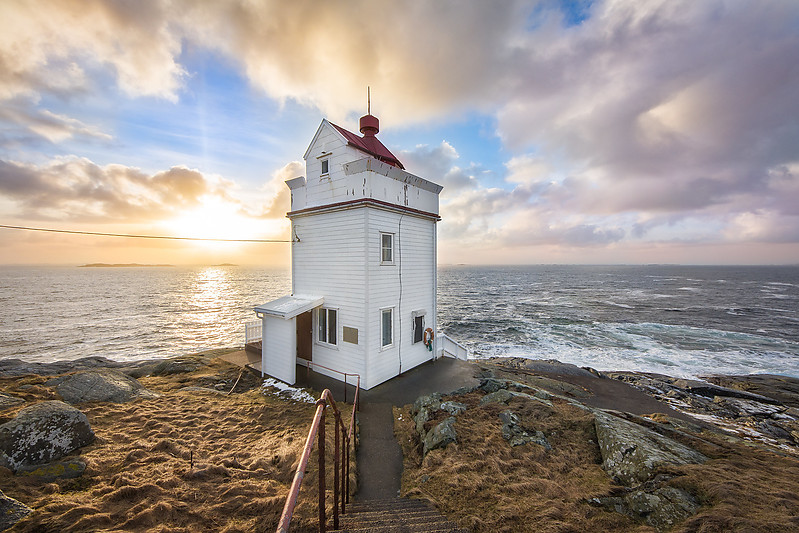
(399,515)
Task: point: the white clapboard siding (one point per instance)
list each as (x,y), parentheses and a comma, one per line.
(279,338)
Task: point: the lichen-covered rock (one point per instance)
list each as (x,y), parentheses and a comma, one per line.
(631,454)
(517,435)
(104,385)
(500,396)
(441,435)
(43,433)
(11,511)
(506,395)
(57,470)
(453,408)
(489,385)
(661,507)
(431,403)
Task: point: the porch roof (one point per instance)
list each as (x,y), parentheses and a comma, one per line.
(288,307)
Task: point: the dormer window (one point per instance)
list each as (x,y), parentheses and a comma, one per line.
(325,167)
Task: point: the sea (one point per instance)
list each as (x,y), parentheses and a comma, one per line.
(683,321)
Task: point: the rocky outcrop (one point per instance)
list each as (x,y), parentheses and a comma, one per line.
(659,506)
(43,433)
(179,365)
(453,408)
(69,469)
(441,435)
(632,454)
(11,511)
(517,435)
(103,385)
(7,401)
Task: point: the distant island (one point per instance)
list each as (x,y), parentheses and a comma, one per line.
(225,265)
(117,265)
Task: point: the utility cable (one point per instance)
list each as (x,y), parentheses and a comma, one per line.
(50,230)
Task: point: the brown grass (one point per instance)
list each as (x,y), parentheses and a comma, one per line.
(484,484)
(187,461)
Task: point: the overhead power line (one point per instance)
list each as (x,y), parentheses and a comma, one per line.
(97,233)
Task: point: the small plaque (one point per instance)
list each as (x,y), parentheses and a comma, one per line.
(350,335)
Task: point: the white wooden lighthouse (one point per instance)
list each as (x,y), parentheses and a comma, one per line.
(363,264)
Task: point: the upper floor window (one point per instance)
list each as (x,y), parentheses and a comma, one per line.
(325,167)
(386,248)
(327,325)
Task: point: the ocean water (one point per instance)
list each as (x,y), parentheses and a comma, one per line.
(676,320)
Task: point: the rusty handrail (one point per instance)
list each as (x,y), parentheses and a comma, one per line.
(341,484)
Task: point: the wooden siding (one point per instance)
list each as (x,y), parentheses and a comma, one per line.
(413,271)
(328,260)
(279,351)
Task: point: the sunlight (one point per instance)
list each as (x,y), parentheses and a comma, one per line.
(216,219)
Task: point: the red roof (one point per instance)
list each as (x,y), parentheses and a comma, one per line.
(371,145)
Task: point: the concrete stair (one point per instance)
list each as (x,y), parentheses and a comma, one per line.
(398,515)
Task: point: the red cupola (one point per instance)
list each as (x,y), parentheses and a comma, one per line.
(370,126)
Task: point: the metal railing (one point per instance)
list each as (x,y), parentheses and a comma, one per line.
(310,365)
(341,462)
(447,346)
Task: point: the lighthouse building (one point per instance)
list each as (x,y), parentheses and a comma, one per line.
(363,264)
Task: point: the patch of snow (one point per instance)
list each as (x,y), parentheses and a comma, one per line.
(286,391)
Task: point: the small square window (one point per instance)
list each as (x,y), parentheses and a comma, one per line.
(386,248)
(386,327)
(325,166)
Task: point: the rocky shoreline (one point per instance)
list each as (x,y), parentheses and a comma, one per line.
(653,450)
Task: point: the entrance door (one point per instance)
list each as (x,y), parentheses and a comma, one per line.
(304,336)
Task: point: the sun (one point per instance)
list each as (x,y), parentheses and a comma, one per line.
(216,218)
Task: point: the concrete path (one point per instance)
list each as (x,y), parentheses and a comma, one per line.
(379,456)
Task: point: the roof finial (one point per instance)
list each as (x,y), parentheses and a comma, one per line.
(370,126)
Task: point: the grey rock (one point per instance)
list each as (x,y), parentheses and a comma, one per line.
(441,435)
(464,390)
(661,507)
(179,365)
(710,390)
(490,385)
(103,385)
(517,435)
(42,433)
(431,402)
(421,419)
(505,395)
(11,511)
(631,454)
(58,470)
(7,401)
(500,396)
(453,408)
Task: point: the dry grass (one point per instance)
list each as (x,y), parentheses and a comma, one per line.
(486,485)
(187,461)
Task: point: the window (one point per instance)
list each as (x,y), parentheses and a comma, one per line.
(325,167)
(418,328)
(386,248)
(386,327)
(327,325)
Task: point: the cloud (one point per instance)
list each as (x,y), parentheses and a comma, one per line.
(79,190)
(48,125)
(279,192)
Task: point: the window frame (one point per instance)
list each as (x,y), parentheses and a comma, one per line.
(420,330)
(390,310)
(324,162)
(325,341)
(383,261)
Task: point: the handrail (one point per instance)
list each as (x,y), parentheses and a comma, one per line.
(341,483)
(310,365)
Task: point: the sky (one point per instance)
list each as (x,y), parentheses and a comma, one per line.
(618,131)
